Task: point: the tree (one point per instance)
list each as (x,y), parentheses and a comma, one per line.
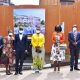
(42,22)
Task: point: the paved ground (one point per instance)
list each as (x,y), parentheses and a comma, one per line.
(46,74)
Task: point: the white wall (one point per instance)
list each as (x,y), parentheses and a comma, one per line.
(24,2)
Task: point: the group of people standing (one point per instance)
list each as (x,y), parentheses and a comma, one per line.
(57,53)
(15,47)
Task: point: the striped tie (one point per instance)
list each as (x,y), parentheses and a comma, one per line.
(75,36)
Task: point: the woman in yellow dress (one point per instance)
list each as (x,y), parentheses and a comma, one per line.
(38,50)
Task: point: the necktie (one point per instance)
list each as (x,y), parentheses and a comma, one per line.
(75,36)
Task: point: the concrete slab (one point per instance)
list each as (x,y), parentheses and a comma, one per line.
(45,74)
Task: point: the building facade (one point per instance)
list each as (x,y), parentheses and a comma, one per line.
(57,2)
(4,2)
(49,2)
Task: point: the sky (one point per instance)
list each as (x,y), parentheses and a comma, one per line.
(23,2)
(31,12)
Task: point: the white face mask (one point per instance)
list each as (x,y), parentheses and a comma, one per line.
(21,32)
(74,29)
(10,34)
(37,31)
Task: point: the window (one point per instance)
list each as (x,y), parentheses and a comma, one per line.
(6,1)
(67,0)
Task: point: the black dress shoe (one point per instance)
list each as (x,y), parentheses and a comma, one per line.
(37,71)
(20,73)
(77,69)
(16,73)
(71,69)
(8,74)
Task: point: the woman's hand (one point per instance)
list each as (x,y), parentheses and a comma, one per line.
(4,52)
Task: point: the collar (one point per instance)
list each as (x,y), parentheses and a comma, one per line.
(20,34)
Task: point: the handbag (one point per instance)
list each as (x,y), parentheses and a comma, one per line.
(4,59)
(63,46)
(38,50)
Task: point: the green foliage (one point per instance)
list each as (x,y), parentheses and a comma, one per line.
(42,22)
(15,18)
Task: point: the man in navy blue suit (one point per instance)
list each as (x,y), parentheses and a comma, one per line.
(74,45)
(20,47)
(1,45)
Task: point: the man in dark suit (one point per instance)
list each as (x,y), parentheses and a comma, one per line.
(74,45)
(20,47)
(1,45)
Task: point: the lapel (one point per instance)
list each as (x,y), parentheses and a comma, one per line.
(77,36)
(0,37)
(72,35)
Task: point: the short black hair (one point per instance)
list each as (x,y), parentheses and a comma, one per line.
(74,26)
(58,28)
(9,31)
(15,25)
(20,28)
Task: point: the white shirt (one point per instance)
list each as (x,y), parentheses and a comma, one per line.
(20,36)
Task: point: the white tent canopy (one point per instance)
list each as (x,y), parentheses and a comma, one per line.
(25,2)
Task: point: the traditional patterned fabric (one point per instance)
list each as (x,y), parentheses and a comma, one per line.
(57,56)
(8,48)
(57,39)
(38,58)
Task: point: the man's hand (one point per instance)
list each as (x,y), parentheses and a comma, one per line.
(0,46)
(26,51)
(4,52)
(74,43)
(13,50)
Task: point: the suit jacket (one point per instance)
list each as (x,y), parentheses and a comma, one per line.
(72,40)
(20,45)
(1,42)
